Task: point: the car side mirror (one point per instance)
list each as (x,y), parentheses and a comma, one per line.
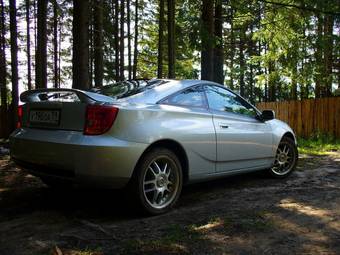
(267,115)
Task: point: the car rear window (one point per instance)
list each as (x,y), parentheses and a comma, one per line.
(128,88)
(193,97)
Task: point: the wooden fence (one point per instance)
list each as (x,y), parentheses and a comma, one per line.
(306,117)
(309,116)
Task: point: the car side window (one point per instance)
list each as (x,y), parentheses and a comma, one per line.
(221,99)
(193,97)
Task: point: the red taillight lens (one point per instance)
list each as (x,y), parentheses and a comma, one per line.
(20,113)
(99,119)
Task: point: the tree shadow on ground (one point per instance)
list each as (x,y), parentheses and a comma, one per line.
(246,214)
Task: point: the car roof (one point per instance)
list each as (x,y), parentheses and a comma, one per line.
(166,88)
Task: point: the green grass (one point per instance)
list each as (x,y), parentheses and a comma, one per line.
(318,145)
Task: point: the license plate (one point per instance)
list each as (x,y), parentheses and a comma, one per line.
(50,117)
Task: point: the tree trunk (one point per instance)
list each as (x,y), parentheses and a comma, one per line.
(41,54)
(59,55)
(328,32)
(14,60)
(171,39)
(98,43)
(251,47)
(207,33)
(55,43)
(294,83)
(35,26)
(128,17)
(122,47)
(28,46)
(91,44)
(116,37)
(135,54)
(160,40)
(271,82)
(232,52)
(218,49)
(3,72)
(80,59)
(242,62)
(266,75)
(318,58)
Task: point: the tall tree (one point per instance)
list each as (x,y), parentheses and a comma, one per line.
(122,38)
(55,44)
(271,81)
(319,57)
(135,42)
(328,53)
(242,61)
(218,49)
(14,59)
(171,39)
(91,42)
(128,23)
(160,39)
(232,47)
(3,72)
(116,42)
(80,59)
(252,50)
(28,46)
(98,43)
(207,33)
(41,54)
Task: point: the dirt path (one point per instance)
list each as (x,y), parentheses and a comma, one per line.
(247,214)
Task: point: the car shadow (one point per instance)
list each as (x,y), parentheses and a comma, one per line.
(102,203)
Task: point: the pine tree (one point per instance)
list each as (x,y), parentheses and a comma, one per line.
(3,71)
(218,49)
(28,46)
(80,59)
(160,39)
(135,54)
(207,33)
(41,54)
(14,60)
(171,39)
(98,43)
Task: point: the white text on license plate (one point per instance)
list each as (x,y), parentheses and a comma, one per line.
(44,117)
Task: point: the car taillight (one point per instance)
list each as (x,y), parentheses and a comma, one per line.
(99,119)
(20,113)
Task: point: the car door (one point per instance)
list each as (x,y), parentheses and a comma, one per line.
(243,141)
(190,122)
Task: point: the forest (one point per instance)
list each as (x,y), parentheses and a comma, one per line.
(266,50)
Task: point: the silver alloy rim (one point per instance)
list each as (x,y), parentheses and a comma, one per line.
(284,160)
(161,182)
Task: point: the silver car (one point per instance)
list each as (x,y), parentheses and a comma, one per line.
(149,136)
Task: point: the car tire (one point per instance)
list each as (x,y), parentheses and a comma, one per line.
(157,181)
(285,159)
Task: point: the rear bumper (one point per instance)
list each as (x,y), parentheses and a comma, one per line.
(91,160)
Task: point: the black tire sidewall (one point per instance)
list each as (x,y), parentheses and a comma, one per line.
(139,175)
(288,141)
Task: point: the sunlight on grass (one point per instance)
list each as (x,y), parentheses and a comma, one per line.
(318,145)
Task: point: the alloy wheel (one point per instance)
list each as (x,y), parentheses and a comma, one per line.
(161,182)
(284,160)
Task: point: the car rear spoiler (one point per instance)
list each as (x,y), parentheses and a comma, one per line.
(44,95)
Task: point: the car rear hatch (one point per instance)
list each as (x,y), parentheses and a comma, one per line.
(63,109)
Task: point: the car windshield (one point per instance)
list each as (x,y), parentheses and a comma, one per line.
(125,89)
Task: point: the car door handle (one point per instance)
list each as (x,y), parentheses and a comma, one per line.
(223,125)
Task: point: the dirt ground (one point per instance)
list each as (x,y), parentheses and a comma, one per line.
(248,214)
